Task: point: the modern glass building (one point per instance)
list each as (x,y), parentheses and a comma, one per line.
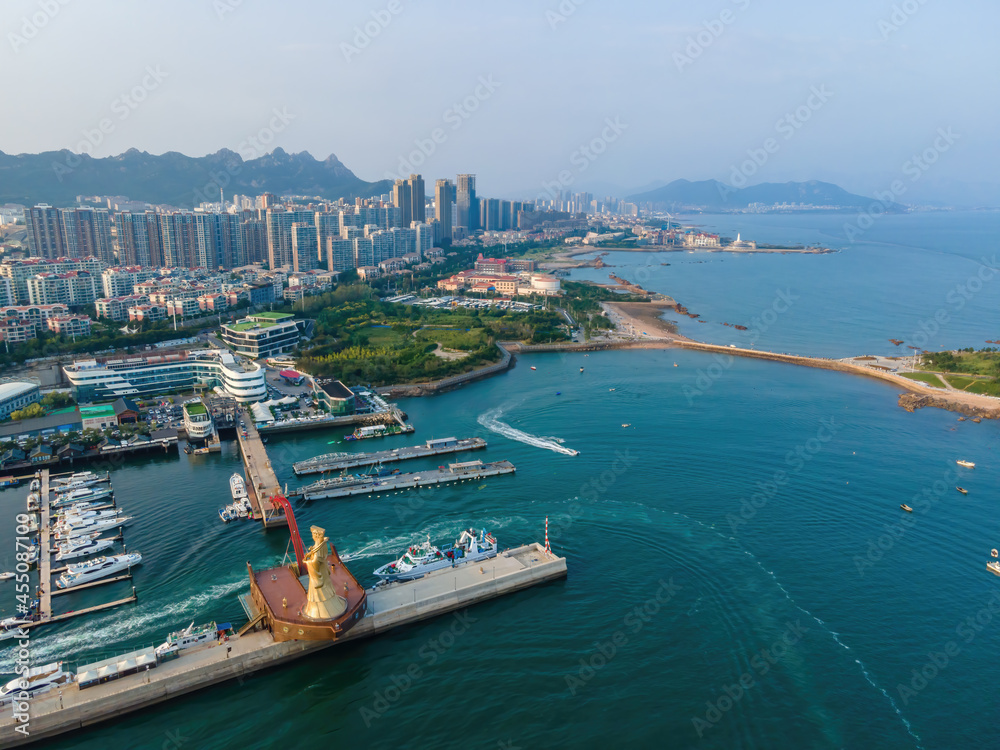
(263,335)
(174,372)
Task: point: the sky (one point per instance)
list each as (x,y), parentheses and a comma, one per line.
(578,95)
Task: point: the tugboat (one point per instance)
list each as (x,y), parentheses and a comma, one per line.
(425,558)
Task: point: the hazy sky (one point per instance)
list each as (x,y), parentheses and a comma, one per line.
(692,86)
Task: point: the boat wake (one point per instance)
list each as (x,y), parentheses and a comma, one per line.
(491,421)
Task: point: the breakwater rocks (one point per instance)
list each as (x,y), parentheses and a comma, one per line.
(913,401)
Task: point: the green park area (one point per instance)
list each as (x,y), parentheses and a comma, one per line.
(969,370)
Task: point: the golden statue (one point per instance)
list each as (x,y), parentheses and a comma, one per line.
(322,601)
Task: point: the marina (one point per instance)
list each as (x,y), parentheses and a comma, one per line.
(341,461)
(364,484)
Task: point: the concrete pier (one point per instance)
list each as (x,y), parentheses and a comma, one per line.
(341,461)
(444,591)
(261,481)
(347,486)
(45,550)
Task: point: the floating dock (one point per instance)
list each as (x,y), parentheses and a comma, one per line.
(68,709)
(341,461)
(363,484)
(261,481)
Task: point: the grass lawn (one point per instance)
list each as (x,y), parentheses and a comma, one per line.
(923,377)
(984,388)
(960,382)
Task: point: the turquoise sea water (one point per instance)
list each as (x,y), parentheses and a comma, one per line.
(760,501)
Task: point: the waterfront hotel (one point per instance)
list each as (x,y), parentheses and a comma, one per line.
(137,377)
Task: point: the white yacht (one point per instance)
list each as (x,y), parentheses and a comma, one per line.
(425,558)
(82,494)
(81,479)
(237,487)
(82,547)
(190,637)
(88,526)
(39,680)
(95,570)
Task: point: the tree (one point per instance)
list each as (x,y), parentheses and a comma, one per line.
(31,411)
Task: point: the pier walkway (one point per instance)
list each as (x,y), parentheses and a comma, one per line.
(438,593)
(45,550)
(341,461)
(365,484)
(261,481)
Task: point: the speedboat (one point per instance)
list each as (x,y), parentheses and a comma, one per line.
(966,464)
(33,502)
(225,515)
(907,508)
(35,682)
(425,558)
(237,487)
(78,547)
(534,368)
(6,576)
(95,570)
(962,490)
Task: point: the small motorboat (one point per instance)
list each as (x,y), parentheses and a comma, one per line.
(534,368)
(225,515)
(581,369)
(6,576)
(962,490)
(966,464)
(188,449)
(627,424)
(675,364)
(558,393)
(993,565)
(907,508)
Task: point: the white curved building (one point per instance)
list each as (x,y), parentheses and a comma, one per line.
(197,420)
(137,377)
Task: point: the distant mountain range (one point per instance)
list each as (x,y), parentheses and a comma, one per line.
(58,177)
(712,195)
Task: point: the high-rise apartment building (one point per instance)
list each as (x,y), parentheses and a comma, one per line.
(467,214)
(444,196)
(45,232)
(87,232)
(304,245)
(403,200)
(418,201)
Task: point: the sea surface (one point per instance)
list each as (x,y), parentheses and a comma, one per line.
(740,572)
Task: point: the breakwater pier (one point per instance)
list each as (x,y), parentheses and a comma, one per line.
(58,712)
(341,461)
(261,481)
(365,484)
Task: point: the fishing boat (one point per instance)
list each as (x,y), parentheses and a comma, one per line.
(962,490)
(907,508)
(35,682)
(237,487)
(79,547)
(425,558)
(966,464)
(190,637)
(95,570)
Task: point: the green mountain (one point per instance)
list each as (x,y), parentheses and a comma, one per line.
(712,195)
(58,177)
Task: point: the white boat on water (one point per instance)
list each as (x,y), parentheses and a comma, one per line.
(82,494)
(80,507)
(237,487)
(82,547)
(10,626)
(39,680)
(73,519)
(190,637)
(6,576)
(95,570)
(966,464)
(88,526)
(425,558)
(80,478)
(33,502)
(35,486)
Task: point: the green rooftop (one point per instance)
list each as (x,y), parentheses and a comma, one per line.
(99,410)
(195,409)
(271,316)
(249,325)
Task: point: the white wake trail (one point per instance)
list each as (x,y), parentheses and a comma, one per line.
(490,420)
